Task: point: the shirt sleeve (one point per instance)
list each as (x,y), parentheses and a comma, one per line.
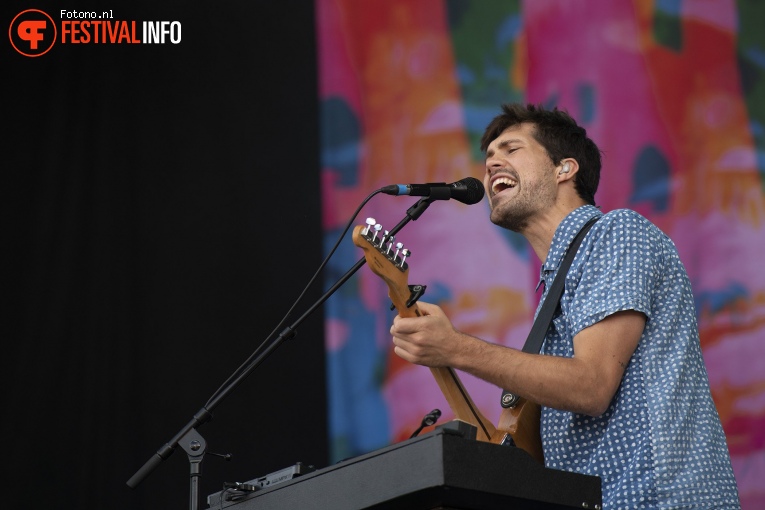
(622,263)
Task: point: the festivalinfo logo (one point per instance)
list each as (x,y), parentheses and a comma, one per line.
(34,32)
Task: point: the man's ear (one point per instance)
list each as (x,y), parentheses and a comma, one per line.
(567,169)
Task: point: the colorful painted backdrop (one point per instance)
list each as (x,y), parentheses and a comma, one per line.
(673,91)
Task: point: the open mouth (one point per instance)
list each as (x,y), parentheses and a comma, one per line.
(501,184)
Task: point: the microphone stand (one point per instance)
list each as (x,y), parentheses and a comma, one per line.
(189,439)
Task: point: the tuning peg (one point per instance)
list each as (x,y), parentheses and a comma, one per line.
(390,244)
(377,228)
(404,254)
(370,223)
(398,249)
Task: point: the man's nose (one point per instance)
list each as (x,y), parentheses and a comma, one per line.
(493,164)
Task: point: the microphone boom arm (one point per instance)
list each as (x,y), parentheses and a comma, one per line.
(205,413)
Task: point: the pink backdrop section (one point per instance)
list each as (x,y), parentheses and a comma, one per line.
(406,85)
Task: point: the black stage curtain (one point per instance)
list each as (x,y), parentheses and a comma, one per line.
(161,214)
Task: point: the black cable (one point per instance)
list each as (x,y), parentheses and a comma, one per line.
(430,419)
(278,327)
(266,348)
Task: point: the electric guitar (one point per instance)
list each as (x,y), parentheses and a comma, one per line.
(518,425)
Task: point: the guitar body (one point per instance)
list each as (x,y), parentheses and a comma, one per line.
(520,422)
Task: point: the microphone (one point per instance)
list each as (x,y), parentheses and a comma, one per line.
(430,419)
(468,190)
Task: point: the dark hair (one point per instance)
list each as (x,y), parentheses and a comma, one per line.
(561,137)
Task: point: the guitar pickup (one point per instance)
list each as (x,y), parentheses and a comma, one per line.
(415,293)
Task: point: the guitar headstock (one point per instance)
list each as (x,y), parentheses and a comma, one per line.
(386,258)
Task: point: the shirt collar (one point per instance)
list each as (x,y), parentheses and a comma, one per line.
(565,233)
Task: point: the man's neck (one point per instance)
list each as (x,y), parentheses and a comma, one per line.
(541,230)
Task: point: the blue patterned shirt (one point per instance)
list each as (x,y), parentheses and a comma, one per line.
(660,444)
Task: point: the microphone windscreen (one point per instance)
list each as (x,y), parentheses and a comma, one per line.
(470,191)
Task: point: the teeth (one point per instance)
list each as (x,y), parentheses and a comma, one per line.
(502,183)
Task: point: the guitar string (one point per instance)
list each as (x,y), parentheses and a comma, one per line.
(465,396)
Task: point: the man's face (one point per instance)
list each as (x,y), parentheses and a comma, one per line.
(520,178)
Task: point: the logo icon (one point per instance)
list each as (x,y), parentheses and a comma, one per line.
(32,33)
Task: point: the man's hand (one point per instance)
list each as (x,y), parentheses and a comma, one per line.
(430,340)
(583,384)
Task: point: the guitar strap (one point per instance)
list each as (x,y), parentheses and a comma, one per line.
(544,318)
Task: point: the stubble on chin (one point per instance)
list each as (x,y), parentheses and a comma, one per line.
(509,219)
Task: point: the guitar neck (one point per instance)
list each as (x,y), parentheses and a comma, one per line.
(387,264)
(449,382)
(460,402)
(522,422)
